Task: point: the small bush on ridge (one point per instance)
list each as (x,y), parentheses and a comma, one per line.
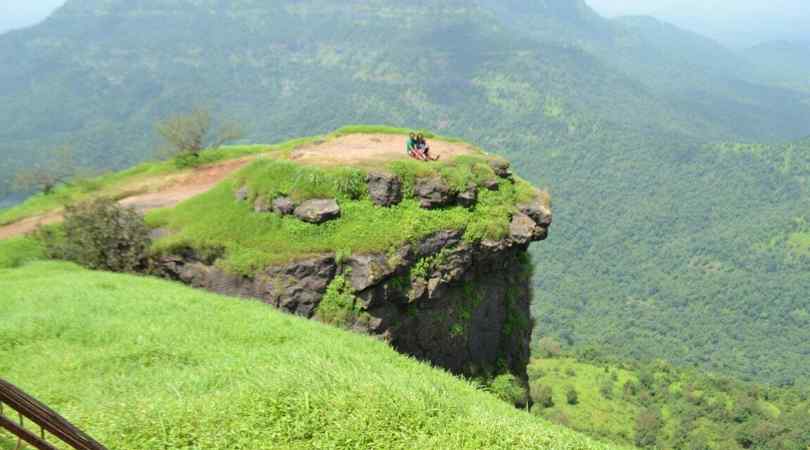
(100,235)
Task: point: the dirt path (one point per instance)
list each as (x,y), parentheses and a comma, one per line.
(168,191)
(370,149)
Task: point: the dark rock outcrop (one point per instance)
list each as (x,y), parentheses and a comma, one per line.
(384,189)
(469,197)
(432,192)
(296,287)
(318,211)
(501,167)
(241,194)
(261,205)
(524,230)
(539,212)
(492,185)
(283,206)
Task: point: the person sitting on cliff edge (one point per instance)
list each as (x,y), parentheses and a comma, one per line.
(417,147)
(412,147)
(422,144)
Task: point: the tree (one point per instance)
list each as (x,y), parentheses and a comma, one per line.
(606,388)
(543,396)
(59,168)
(549,347)
(648,425)
(190,134)
(571,396)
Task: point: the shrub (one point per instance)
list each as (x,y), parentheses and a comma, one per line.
(16,252)
(508,388)
(338,304)
(571,396)
(648,425)
(543,395)
(606,388)
(100,235)
(350,183)
(548,347)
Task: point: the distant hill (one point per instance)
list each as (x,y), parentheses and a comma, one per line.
(785,63)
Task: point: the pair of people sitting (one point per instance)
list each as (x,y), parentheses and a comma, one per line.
(418,148)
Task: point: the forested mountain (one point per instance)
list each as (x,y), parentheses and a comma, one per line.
(666,243)
(716,85)
(784,63)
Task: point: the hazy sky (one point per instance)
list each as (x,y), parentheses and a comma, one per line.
(21,13)
(733,22)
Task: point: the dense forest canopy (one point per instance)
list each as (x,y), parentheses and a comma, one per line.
(677,170)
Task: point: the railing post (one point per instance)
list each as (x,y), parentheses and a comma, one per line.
(48,420)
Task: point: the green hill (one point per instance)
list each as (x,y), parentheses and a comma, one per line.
(657,406)
(145,364)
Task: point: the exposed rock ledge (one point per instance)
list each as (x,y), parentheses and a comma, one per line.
(462,306)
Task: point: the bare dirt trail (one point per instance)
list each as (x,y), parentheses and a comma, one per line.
(168,191)
(371,149)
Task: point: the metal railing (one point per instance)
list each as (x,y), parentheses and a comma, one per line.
(27,407)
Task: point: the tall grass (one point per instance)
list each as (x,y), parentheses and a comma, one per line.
(144,364)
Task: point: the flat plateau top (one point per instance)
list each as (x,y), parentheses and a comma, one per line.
(363,149)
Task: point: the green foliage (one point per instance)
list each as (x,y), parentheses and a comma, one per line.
(673,408)
(606,389)
(543,395)
(339,304)
(648,425)
(351,184)
(100,234)
(548,347)
(423,268)
(571,396)
(126,365)
(16,252)
(187,135)
(509,389)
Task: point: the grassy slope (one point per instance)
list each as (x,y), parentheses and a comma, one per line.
(146,364)
(594,414)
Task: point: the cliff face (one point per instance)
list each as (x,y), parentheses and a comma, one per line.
(462,306)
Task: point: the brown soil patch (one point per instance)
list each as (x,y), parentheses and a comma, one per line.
(371,149)
(147,195)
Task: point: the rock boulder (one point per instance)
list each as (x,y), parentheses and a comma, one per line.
(242,194)
(501,167)
(384,189)
(283,205)
(318,211)
(432,192)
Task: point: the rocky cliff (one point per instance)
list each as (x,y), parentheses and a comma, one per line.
(458,302)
